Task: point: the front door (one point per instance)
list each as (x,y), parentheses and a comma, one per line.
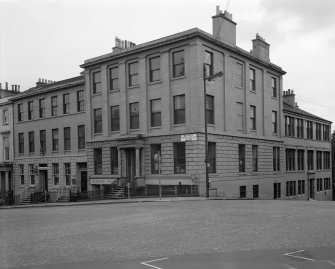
(131,163)
(83,184)
(43,176)
(311,188)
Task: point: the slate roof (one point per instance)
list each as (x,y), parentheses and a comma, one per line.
(298,111)
(50,87)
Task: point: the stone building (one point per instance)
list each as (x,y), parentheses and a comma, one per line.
(6,140)
(146,123)
(49,138)
(307,153)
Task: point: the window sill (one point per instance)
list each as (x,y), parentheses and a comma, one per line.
(133,87)
(274,97)
(176,78)
(115,132)
(97,94)
(155,82)
(253,91)
(114,90)
(179,125)
(155,127)
(134,130)
(55,151)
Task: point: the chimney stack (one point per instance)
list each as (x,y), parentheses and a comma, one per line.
(260,48)
(289,98)
(7,86)
(224,28)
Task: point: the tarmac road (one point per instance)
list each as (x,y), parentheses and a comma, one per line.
(184,234)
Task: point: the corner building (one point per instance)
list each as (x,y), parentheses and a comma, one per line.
(148,100)
(49,139)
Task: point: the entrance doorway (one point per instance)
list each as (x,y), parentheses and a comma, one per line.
(83,181)
(43,176)
(311,188)
(131,163)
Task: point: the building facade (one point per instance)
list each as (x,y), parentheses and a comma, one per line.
(6,141)
(146,120)
(49,138)
(307,153)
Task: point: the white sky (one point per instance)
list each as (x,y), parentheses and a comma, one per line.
(51,38)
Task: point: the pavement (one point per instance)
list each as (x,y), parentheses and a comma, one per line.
(109,201)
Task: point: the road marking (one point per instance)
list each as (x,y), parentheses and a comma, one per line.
(330,262)
(146,263)
(299,257)
(289,267)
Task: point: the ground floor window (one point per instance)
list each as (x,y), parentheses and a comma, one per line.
(67,170)
(155,158)
(243,191)
(55,173)
(179,154)
(21,170)
(255,191)
(32,174)
(290,188)
(301,187)
(327,184)
(276,190)
(114,161)
(212,157)
(98,161)
(319,184)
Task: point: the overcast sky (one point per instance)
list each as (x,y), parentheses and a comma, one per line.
(50,39)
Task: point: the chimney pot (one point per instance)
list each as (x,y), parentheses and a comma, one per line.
(18,88)
(6,85)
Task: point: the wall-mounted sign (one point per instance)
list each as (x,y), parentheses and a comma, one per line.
(188,137)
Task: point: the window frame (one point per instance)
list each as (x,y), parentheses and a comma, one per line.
(67,138)
(115,121)
(31,142)
(66,103)
(179,114)
(54,105)
(154,69)
(97,158)
(252,79)
(41,108)
(97,120)
(211,148)
(179,157)
(134,118)
(300,159)
(80,101)
(114,80)
(20,112)
(254,158)
(96,82)
(133,74)
(67,174)
(30,110)
(5,117)
(43,141)
(55,139)
(114,161)
(155,149)
(276,159)
(241,158)
(253,126)
(274,87)
(180,64)
(155,115)
(210,109)
(81,136)
(209,64)
(21,142)
(55,174)
(274,122)
(21,173)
